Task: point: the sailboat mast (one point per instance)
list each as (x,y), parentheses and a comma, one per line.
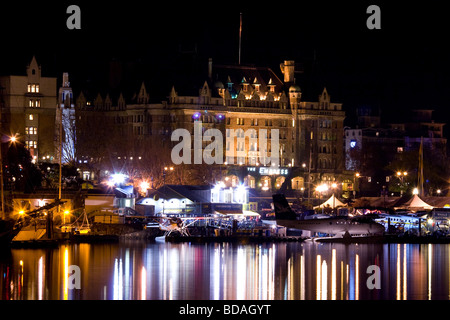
(420,171)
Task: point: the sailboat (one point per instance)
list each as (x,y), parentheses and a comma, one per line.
(85,227)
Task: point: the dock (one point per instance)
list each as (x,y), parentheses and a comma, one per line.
(232,238)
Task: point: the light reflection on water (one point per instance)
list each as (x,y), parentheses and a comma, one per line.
(225,271)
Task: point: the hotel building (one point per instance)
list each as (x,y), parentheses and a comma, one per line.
(231,97)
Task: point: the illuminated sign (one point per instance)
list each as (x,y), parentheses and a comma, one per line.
(267,171)
(352,144)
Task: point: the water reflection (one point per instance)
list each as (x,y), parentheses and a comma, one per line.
(136,270)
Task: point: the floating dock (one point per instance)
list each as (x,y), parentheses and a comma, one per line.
(232,238)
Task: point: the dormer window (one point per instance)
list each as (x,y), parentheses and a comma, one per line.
(33,88)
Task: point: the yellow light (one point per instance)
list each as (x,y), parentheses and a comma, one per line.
(66,212)
(357,174)
(144,186)
(66,274)
(13,139)
(21,212)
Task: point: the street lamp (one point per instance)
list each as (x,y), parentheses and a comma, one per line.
(66,212)
(13,140)
(401,175)
(165,169)
(357,175)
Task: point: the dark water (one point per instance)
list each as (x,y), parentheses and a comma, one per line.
(139,270)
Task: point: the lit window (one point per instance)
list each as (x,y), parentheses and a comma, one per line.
(30,103)
(31,144)
(37,88)
(29,88)
(30,117)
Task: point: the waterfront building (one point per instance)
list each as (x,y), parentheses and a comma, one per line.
(187,200)
(377,150)
(29,109)
(231,97)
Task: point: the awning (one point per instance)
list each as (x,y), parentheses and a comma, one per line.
(245,213)
(248,213)
(228,212)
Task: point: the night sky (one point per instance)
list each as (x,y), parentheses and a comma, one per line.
(403,66)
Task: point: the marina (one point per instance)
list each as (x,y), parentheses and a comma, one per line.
(175,214)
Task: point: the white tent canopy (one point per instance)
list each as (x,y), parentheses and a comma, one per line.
(417,203)
(332,202)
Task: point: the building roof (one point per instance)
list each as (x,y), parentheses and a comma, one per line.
(194,193)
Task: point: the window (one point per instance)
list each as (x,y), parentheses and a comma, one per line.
(33,88)
(31,117)
(34,103)
(31,144)
(30,130)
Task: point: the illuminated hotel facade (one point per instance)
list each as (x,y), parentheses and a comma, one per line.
(109,131)
(235,98)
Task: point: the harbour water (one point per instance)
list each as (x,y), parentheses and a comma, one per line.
(135,270)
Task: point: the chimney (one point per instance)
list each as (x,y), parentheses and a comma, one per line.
(210,69)
(288,68)
(66,82)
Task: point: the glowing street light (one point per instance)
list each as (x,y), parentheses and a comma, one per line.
(66,212)
(12,140)
(401,175)
(144,186)
(118,178)
(322,188)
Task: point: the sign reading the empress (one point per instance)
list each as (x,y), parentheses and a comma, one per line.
(250,144)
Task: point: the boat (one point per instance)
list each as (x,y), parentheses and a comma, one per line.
(8,230)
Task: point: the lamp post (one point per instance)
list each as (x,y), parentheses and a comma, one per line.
(165,169)
(357,175)
(13,140)
(401,175)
